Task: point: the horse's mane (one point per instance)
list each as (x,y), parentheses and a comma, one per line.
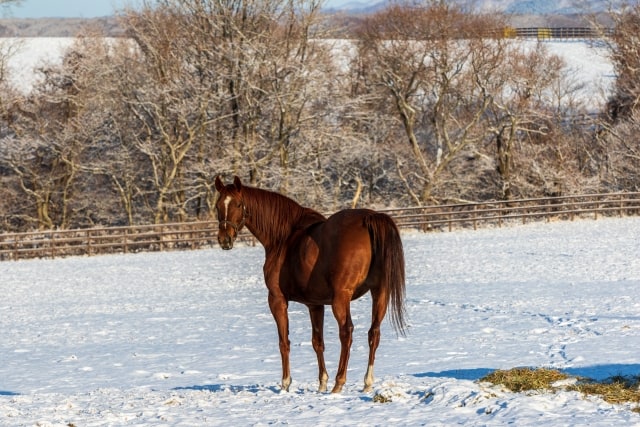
(278,214)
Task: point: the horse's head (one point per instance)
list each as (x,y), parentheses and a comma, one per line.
(231,211)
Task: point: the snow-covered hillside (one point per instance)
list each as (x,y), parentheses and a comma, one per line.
(186,338)
(587,65)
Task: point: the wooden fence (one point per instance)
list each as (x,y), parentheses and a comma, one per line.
(557,33)
(194,235)
(549,33)
(498,213)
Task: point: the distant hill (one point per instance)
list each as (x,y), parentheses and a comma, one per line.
(531,13)
(527,7)
(544,7)
(57,27)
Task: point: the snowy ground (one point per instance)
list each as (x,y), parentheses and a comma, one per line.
(30,54)
(186,338)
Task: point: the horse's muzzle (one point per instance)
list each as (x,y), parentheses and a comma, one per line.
(226,242)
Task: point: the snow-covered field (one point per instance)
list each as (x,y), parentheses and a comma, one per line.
(28,54)
(186,338)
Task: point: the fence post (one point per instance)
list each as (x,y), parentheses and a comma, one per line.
(621,204)
(88,236)
(52,244)
(475,217)
(572,212)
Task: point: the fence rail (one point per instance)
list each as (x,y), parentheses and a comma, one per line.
(497,213)
(55,243)
(194,235)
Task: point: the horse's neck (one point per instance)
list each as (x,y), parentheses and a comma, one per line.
(272,216)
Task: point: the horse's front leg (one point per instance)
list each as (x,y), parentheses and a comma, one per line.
(342,313)
(316,313)
(279,305)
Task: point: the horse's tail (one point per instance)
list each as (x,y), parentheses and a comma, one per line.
(387,249)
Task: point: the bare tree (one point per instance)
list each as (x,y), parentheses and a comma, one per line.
(617,156)
(112,166)
(431,62)
(166,106)
(523,107)
(43,150)
(623,49)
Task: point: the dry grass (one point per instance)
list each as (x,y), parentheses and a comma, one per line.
(616,390)
(525,379)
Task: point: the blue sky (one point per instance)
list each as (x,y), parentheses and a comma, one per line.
(81,8)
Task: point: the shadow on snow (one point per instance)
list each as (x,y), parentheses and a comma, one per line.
(473,374)
(595,372)
(217,388)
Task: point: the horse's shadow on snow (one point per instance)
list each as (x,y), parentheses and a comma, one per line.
(234,389)
(253,389)
(594,372)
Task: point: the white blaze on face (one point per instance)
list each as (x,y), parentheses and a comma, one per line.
(227,200)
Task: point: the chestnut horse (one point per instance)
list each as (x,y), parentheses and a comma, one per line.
(319,261)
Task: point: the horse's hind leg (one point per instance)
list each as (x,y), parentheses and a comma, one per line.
(316,313)
(378,311)
(342,313)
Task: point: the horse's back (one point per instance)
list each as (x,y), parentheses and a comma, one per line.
(345,234)
(359,224)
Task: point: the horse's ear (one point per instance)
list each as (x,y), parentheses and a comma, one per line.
(237,183)
(219,184)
